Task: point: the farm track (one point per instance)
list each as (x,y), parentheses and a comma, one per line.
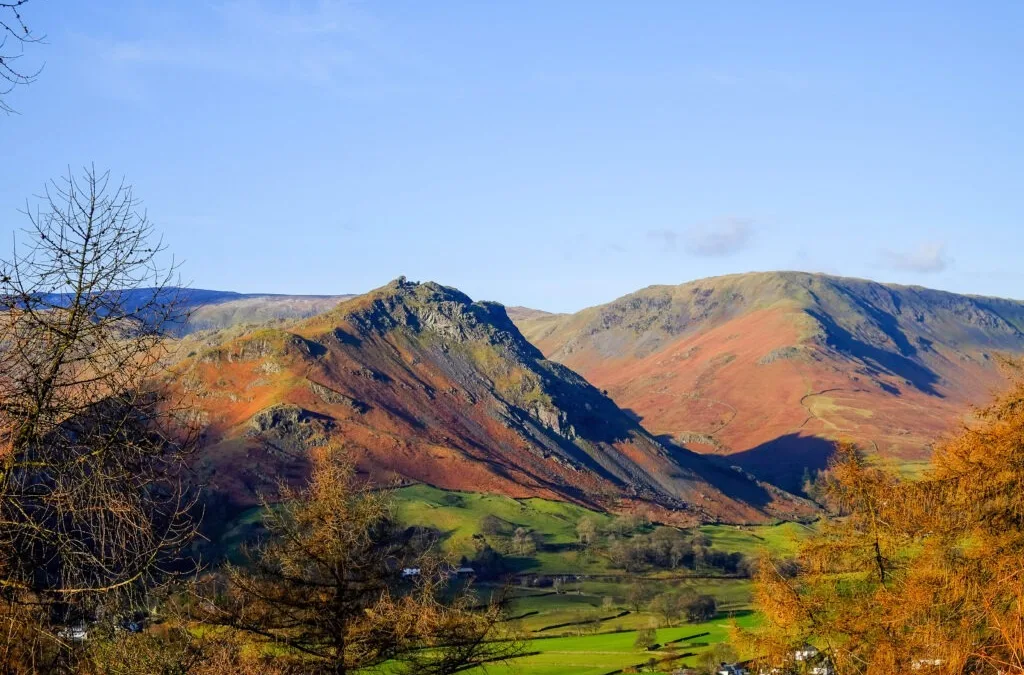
(811,415)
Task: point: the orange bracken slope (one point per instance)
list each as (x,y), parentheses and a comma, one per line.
(769,368)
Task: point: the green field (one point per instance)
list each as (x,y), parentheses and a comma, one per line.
(781,539)
(604,652)
(592,591)
(459,516)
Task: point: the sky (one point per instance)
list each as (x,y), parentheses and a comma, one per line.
(549,154)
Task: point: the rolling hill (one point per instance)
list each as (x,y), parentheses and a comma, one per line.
(423,384)
(197,309)
(238,309)
(768,368)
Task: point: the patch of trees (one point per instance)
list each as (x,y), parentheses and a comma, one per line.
(508,538)
(488,564)
(646,638)
(674,606)
(913,574)
(670,549)
(328,585)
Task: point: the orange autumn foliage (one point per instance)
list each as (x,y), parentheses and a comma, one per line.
(922,575)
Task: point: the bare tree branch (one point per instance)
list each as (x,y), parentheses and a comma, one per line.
(94,505)
(15,35)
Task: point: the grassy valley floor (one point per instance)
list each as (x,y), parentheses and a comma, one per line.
(587,626)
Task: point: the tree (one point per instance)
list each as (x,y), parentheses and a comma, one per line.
(637,595)
(587,620)
(925,571)
(328,586)
(681,553)
(645,638)
(711,660)
(489,564)
(15,35)
(669,606)
(700,608)
(492,526)
(523,542)
(586,531)
(93,505)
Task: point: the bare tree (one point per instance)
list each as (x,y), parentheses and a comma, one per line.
(338,587)
(14,36)
(93,507)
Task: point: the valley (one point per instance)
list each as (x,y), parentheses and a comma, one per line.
(733,392)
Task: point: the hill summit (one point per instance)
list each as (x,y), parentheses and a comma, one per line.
(768,367)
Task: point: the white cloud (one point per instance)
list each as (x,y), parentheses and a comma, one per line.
(713,239)
(318,42)
(666,239)
(926,258)
(719,238)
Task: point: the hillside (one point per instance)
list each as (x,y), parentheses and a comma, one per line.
(257,309)
(767,367)
(423,384)
(205,309)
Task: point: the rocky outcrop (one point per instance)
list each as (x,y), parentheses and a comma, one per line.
(290,426)
(332,397)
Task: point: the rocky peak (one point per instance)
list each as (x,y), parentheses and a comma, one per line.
(429,307)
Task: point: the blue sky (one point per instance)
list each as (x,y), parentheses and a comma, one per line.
(550,154)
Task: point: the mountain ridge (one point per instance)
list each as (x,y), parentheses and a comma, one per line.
(424,384)
(763,367)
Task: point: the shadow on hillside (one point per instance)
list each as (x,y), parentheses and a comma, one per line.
(727,480)
(782,461)
(633,415)
(901,365)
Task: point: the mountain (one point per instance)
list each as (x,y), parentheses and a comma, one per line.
(204,309)
(213,310)
(767,368)
(526,313)
(423,384)
(233,309)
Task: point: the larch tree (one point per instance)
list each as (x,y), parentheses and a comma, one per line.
(921,574)
(93,505)
(15,35)
(337,586)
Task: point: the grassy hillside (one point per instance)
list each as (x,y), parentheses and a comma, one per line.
(588,627)
(459,516)
(585,624)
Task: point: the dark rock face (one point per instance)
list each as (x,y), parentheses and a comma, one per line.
(442,311)
(290,427)
(332,397)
